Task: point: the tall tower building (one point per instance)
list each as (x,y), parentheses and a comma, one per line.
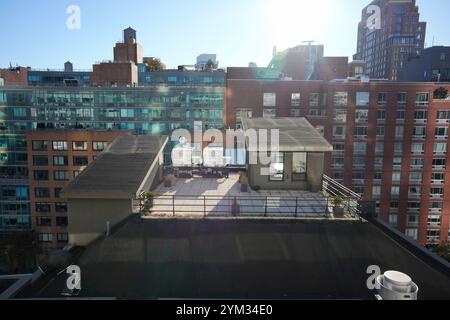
(388,35)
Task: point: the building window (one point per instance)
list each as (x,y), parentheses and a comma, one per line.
(441,133)
(76,173)
(59,145)
(80,161)
(99,145)
(295,100)
(314,99)
(58,192)
(295,113)
(422,98)
(243,113)
(43,207)
(399,132)
(362,99)
(44,221)
(269,113)
(412,233)
(418,148)
(79,146)
(63,237)
(440,148)
(361,131)
(299,166)
(381,115)
(376,191)
(45,237)
(60,161)
(339,131)
(270,100)
(360,147)
(393,219)
(126,113)
(61,175)
(340,99)
(396,176)
(340,116)
(62,221)
(395,191)
(40,161)
(362,116)
(415,177)
(40,145)
(41,175)
(277,168)
(42,192)
(61,207)
(401,97)
(382,98)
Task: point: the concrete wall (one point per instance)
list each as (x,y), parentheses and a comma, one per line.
(314,175)
(88,218)
(155,177)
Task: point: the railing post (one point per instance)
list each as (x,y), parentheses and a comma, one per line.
(265,206)
(204,206)
(296,207)
(173,205)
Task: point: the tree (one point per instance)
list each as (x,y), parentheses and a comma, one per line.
(210,65)
(155,64)
(443,250)
(441,93)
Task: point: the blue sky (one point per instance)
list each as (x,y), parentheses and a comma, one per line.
(34,33)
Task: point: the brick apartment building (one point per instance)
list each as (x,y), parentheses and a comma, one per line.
(54,159)
(390,141)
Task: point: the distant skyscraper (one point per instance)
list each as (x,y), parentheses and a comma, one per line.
(203,59)
(395,35)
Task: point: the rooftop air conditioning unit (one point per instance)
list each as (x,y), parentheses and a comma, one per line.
(394,285)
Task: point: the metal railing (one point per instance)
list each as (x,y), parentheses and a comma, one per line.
(350,199)
(310,205)
(242,206)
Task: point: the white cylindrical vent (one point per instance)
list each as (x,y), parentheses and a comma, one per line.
(394,285)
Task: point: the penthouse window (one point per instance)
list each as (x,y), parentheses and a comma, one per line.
(59,145)
(79,146)
(270,99)
(362,99)
(299,166)
(278,168)
(422,98)
(295,100)
(340,99)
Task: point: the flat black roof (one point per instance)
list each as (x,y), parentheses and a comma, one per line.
(120,170)
(245,259)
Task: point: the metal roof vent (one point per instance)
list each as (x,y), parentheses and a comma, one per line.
(394,285)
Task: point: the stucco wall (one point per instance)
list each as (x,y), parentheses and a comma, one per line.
(88,218)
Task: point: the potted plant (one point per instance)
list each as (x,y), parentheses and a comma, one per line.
(169,180)
(338,206)
(244,184)
(149,199)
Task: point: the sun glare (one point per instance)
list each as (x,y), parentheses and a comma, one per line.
(294,21)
